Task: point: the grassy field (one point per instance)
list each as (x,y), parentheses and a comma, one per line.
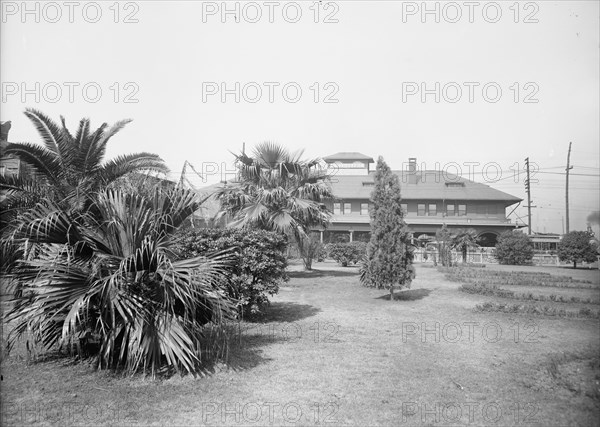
(330,352)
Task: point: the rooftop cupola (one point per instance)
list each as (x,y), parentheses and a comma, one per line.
(349,163)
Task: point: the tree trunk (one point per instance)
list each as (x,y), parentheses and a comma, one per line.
(464,254)
(392,293)
(574,264)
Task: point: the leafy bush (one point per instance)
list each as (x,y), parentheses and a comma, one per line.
(260,264)
(322,253)
(577,247)
(337,238)
(347,253)
(514,248)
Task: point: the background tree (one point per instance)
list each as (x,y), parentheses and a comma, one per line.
(277,190)
(514,248)
(462,240)
(309,249)
(577,246)
(389,253)
(444,239)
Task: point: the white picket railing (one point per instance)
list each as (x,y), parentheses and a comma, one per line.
(483,257)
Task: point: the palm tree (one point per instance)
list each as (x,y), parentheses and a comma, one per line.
(462,240)
(69,168)
(277,190)
(107,275)
(443,239)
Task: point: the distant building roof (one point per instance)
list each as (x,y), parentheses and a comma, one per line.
(345,156)
(4,129)
(429,185)
(211,205)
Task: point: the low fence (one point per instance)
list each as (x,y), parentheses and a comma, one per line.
(487,257)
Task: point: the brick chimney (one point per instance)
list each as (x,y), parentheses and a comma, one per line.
(412,170)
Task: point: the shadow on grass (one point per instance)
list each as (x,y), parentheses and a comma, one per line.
(579,267)
(245,351)
(322,273)
(285,312)
(407,295)
(238,346)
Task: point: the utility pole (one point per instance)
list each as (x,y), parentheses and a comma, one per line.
(569,167)
(528,188)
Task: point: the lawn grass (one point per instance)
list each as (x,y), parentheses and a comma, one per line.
(329,351)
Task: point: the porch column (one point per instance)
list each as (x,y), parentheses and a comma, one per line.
(321,236)
(351,235)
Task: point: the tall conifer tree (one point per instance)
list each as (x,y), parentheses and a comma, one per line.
(389,253)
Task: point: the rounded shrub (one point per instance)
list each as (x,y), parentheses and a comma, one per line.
(514,248)
(261,262)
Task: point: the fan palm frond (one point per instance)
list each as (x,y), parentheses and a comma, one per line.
(145,310)
(277,190)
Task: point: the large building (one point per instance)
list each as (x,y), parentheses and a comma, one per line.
(431,199)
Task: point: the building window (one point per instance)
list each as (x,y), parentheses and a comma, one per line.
(337,208)
(347,208)
(462,210)
(450,210)
(421,209)
(432,209)
(404,207)
(364,209)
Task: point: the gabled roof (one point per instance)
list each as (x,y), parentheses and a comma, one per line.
(430,185)
(347,155)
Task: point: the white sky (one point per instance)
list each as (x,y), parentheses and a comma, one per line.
(367,55)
